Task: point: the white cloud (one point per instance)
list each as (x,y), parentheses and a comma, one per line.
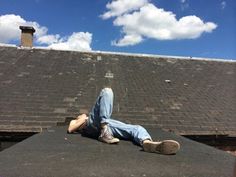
(119,7)
(77,41)
(150,21)
(129,39)
(9,24)
(48,39)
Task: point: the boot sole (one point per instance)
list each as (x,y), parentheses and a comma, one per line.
(166,147)
(114,141)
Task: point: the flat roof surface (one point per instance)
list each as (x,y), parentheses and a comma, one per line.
(56,153)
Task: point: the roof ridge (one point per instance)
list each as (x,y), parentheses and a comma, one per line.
(131,54)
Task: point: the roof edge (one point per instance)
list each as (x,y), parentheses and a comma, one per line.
(132,54)
(7,45)
(165,56)
(147,55)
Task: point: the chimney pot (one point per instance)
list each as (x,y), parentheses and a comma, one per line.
(27,36)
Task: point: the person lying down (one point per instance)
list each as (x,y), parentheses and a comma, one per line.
(100,124)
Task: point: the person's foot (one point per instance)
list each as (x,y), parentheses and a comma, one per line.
(166,147)
(107,137)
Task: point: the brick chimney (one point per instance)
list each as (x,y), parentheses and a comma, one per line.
(27,36)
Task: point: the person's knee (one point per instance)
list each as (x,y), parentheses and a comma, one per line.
(139,128)
(140,131)
(107,92)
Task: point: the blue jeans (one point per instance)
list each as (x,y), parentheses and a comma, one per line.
(101,113)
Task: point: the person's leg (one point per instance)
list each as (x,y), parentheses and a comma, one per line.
(103,107)
(125,131)
(140,136)
(101,113)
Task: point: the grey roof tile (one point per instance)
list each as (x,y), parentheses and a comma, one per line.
(180,95)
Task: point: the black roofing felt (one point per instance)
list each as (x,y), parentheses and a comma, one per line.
(40,88)
(55,153)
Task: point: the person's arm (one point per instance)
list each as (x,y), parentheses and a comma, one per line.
(77,124)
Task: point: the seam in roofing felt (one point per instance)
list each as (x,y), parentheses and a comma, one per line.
(132,54)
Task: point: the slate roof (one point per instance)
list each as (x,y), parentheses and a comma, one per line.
(55,153)
(41,88)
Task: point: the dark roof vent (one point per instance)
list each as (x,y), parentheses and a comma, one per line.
(27,36)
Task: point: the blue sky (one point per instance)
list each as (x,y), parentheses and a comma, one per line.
(197,28)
